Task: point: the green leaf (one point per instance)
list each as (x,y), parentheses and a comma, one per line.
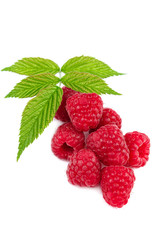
(37,115)
(89,65)
(87,83)
(30,86)
(32,66)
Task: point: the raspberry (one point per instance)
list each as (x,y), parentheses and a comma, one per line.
(109,145)
(109,116)
(61,113)
(85,110)
(116,184)
(66,140)
(84,169)
(139,147)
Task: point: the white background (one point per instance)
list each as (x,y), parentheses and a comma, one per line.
(36,201)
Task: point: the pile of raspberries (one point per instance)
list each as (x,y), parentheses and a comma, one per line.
(98,153)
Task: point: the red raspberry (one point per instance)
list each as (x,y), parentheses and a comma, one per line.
(109,116)
(109,145)
(61,113)
(66,140)
(84,169)
(85,110)
(116,184)
(139,147)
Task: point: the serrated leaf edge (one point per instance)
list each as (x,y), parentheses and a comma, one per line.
(40,130)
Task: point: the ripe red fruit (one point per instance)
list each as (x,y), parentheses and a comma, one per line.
(66,140)
(110,116)
(85,110)
(116,184)
(109,145)
(139,147)
(84,169)
(61,113)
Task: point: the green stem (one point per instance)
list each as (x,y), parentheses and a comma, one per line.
(60,78)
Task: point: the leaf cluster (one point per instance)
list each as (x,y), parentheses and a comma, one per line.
(83,74)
